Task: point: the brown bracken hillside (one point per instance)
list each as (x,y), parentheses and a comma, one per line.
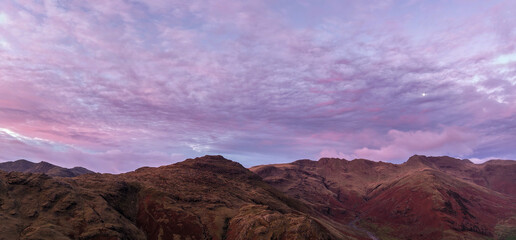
(203,198)
(423,198)
(214,198)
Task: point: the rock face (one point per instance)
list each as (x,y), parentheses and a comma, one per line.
(203,198)
(42,167)
(424,198)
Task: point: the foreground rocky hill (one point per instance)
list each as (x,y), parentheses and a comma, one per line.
(215,198)
(203,198)
(23,165)
(424,198)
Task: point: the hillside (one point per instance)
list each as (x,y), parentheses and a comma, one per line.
(423,198)
(203,198)
(215,198)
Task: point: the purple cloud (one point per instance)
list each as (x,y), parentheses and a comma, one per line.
(121,84)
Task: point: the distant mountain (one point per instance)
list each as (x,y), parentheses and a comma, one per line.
(42,167)
(423,198)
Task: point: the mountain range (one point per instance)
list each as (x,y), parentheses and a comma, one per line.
(215,198)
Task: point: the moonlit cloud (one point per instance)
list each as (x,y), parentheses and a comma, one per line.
(115,85)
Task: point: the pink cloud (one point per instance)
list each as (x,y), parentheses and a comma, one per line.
(450,141)
(130,81)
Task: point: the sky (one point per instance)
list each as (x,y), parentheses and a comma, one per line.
(120,84)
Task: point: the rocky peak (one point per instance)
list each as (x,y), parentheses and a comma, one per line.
(302,163)
(417,159)
(23,161)
(363,161)
(211,160)
(440,162)
(214,163)
(18,165)
(332,162)
(43,167)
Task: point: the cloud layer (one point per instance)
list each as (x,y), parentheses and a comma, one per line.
(121,84)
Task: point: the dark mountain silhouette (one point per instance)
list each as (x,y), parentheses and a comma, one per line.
(42,167)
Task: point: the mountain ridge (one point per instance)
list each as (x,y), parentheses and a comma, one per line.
(202,198)
(216,198)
